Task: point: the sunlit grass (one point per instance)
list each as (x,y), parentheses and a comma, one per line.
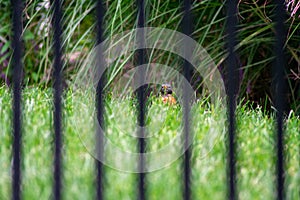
(255,151)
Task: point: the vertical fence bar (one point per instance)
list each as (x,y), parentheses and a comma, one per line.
(17,113)
(57,97)
(187,30)
(279,87)
(141,59)
(232,73)
(100,105)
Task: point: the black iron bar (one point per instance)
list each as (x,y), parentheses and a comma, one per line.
(141,59)
(187,30)
(57,97)
(100,105)
(17,92)
(279,86)
(232,82)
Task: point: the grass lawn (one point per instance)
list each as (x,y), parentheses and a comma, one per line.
(255,151)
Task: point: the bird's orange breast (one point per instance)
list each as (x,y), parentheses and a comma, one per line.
(169,99)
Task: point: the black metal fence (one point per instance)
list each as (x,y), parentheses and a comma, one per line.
(232,22)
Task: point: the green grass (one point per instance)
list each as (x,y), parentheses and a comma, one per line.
(256,153)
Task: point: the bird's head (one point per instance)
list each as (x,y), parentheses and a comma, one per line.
(166,89)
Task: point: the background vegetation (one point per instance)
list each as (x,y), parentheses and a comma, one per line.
(255,142)
(255,35)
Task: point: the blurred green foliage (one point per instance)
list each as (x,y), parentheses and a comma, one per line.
(255,40)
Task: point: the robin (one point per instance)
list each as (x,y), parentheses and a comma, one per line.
(167,94)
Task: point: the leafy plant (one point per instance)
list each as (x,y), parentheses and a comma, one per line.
(255,41)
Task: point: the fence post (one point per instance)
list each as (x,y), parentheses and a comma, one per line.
(231,26)
(100,104)
(57,97)
(141,59)
(17,95)
(279,87)
(187,30)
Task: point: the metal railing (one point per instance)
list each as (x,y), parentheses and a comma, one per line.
(232,22)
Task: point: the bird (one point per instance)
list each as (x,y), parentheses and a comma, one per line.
(167,94)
